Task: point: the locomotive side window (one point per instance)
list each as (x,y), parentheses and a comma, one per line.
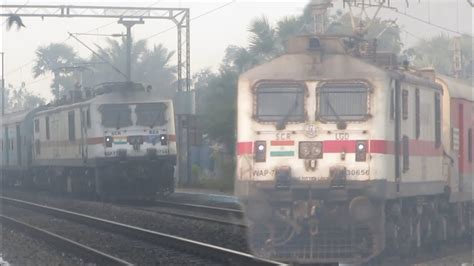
(406,153)
(37,125)
(150,114)
(343,102)
(417,114)
(469,145)
(47,127)
(392,104)
(116,115)
(437,113)
(280,102)
(405,104)
(71,125)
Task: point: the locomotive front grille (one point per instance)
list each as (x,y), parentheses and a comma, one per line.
(330,244)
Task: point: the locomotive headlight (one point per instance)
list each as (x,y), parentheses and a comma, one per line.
(361,151)
(260,151)
(164,139)
(109,141)
(310,150)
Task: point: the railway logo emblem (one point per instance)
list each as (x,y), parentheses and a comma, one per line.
(310,130)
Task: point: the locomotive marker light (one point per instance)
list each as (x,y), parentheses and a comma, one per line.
(260,151)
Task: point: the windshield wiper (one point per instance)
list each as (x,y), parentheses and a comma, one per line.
(341,124)
(282,123)
(118,121)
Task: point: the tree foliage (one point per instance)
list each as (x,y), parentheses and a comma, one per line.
(437,52)
(149,66)
(216,105)
(55,58)
(19,98)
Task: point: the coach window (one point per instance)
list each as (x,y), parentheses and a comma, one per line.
(71,125)
(341,101)
(405,104)
(116,115)
(417,114)
(47,127)
(37,126)
(150,114)
(280,103)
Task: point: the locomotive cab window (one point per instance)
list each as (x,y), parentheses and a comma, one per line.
(150,114)
(280,102)
(339,101)
(116,115)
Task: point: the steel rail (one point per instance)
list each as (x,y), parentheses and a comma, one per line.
(206,250)
(84,252)
(223,212)
(224,221)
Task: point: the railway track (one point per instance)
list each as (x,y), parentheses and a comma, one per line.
(225,216)
(88,254)
(227,256)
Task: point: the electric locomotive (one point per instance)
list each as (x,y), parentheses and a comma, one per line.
(117,140)
(343,154)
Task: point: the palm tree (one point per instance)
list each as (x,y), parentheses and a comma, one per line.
(149,66)
(114,53)
(154,68)
(53,59)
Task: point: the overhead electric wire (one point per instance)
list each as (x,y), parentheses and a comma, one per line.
(98,55)
(430,23)
(193,18)
(96,28)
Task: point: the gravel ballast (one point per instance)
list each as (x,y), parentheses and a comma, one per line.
(134,251)
(227,236)
(16,248)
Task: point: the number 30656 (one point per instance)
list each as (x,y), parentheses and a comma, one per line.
(357,172)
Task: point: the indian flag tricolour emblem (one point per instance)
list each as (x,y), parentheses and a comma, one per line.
(120,140)
(282,148)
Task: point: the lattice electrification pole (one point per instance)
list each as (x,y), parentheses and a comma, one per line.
(180,16)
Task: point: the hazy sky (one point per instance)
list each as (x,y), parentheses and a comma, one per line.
(210,34)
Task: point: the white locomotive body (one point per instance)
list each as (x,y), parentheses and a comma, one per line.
(327,142)
(120,143)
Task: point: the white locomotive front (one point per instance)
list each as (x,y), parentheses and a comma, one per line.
(119,143)
(326,142)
